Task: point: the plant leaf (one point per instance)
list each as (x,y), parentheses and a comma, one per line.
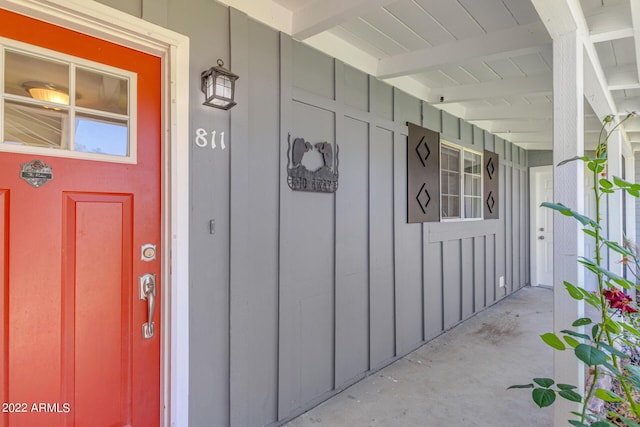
(575,334)
(615,246)
(612,369)
(595,330)
(573,159)
(605,183)
(573,291)
(571,341)
(635,370)
(566,386)
(559,207)
(552,340)
(612,326)
(570,395)
(621,182)
(607,396)
(630,328)
(544,382)
(520,386)
(629,422)
(613,350)
(581,322)
(590,355)
(577,423)
(543,397)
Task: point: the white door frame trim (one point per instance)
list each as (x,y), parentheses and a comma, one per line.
(98,20)
(532,221)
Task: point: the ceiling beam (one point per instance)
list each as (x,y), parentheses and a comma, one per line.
(614,34)
(533,146)
(500,44)
(537,137)
(540,83)
(518,137)
(538,111)
(267,11)
(635,12)
(322,15)
(337,47)
(609,22)
(528,126)
(515,126)
(565,16)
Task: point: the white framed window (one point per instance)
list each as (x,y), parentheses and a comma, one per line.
(59,105)
(460,182)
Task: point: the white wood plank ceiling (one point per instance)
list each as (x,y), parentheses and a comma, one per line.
(487,61)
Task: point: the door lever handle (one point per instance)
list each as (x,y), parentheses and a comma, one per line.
(147,291)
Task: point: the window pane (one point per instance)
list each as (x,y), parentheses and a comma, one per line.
(450,158)
(450,207)
(472,207)
(472,185)
(100,91)
(34,77)
(446,210)
(99,135)
(471,163)
(34,125)
(454,183)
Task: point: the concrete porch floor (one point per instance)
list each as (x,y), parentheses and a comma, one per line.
(458,379)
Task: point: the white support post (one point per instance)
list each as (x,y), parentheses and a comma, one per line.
(614,200)
(631,207)
(568,141)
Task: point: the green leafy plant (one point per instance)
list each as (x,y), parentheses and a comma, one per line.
(609,346)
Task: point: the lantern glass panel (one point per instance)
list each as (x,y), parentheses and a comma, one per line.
(223,87)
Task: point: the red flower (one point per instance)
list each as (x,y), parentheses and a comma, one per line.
(619,300)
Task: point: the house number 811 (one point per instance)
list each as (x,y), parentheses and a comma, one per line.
(201,139)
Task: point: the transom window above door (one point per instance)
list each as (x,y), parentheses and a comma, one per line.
(57,105)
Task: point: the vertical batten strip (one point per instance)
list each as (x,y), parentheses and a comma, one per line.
(240,241)
(338,81)
(369,266)
(394,232)
(286,79)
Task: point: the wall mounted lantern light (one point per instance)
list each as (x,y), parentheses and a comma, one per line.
(218,85)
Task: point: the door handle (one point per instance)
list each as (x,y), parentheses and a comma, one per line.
(147,291)
(540,237)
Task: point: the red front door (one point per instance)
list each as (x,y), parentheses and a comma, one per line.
(72,347)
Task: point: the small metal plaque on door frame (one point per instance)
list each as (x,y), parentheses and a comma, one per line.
(36,172)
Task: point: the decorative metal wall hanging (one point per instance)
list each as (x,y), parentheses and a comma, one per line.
(36,173)
(423,175)
(491,185)
(322,180)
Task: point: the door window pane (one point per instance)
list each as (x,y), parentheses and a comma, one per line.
(34,125)
(100,91)
(36,78)
(98,135)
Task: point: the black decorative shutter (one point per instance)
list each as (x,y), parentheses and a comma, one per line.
(423,175)
(491,185)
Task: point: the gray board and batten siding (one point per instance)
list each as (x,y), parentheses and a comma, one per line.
(293,295)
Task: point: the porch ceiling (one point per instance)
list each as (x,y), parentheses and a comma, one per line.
(487,61)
